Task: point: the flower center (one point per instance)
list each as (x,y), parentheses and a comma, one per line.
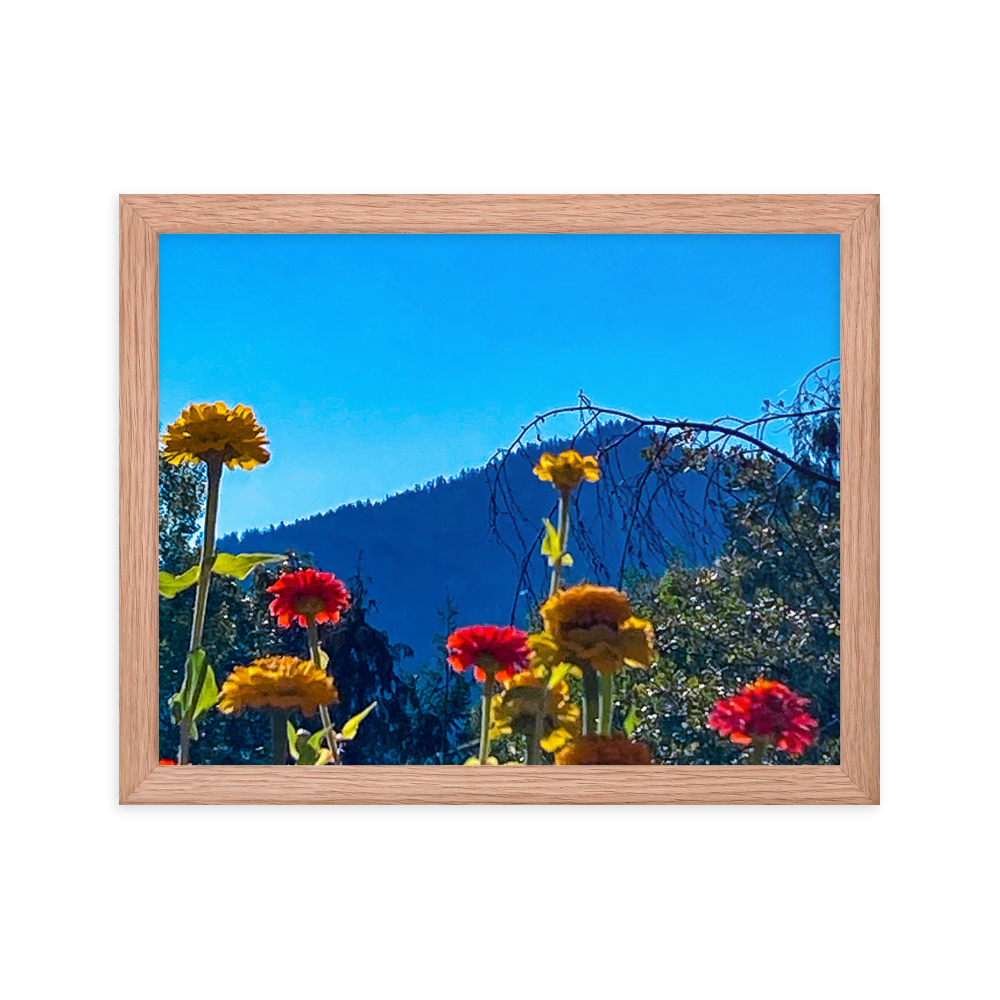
(487,663)
(593,618)
(309,604)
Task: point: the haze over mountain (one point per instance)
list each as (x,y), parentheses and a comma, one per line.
(436,539)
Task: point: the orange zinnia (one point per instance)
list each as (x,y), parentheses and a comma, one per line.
(567,469)
(596,749)
(208,431)
(308,594)
(594,625)
(501,652)
(277,683)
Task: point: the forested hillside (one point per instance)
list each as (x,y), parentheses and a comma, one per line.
(438,537)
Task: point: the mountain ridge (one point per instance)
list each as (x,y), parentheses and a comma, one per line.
(436,540)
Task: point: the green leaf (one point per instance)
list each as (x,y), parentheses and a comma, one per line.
(317,738)
(305,748)
(293,740)
(192,665)
(558,673)
(183,710)
(550,545)
(351,726)
(180,702)
(176,708)
(631,721)
(209,693)
(171,585)
(239,566)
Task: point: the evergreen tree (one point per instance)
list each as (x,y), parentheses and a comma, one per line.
(442,702)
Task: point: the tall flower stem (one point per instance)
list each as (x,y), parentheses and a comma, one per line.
(607,701)
(534,755)
(757,752)
(590,698)
(324,711)
(279,736)
(484,728)
(564,498)
(201,602)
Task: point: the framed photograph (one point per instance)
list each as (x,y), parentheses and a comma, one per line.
(143,218)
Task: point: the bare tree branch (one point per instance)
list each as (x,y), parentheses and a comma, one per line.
(634,506)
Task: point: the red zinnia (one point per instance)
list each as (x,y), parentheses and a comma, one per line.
(765,710)
(308,594)
(499,651)
(164,760)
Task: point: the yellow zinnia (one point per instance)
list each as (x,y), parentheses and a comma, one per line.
(211,430)
(567,470)
(526,696)
(277,682)
(595,625)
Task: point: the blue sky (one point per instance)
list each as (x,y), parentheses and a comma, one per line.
(379,361)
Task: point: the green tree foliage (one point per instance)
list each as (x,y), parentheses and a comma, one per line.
(181,501)
(440,703)
(768,606)
(363,662)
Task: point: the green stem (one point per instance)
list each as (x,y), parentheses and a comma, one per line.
(757,752)
(534,755)
(564,497)
(201,602)
(279,736)
(484,728)
(590,698)
(207,552)
(324,711)
(607,701)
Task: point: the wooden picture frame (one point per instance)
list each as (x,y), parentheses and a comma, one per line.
(143,217)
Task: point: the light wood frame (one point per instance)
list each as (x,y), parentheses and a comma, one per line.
(855,217)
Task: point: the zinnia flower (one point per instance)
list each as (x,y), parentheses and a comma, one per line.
(613,749)
(490,649)
(308,594)
(211,430)
(277,682)
(765,710)
(594,625)
(567,470)
(166,760)
(526,696)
